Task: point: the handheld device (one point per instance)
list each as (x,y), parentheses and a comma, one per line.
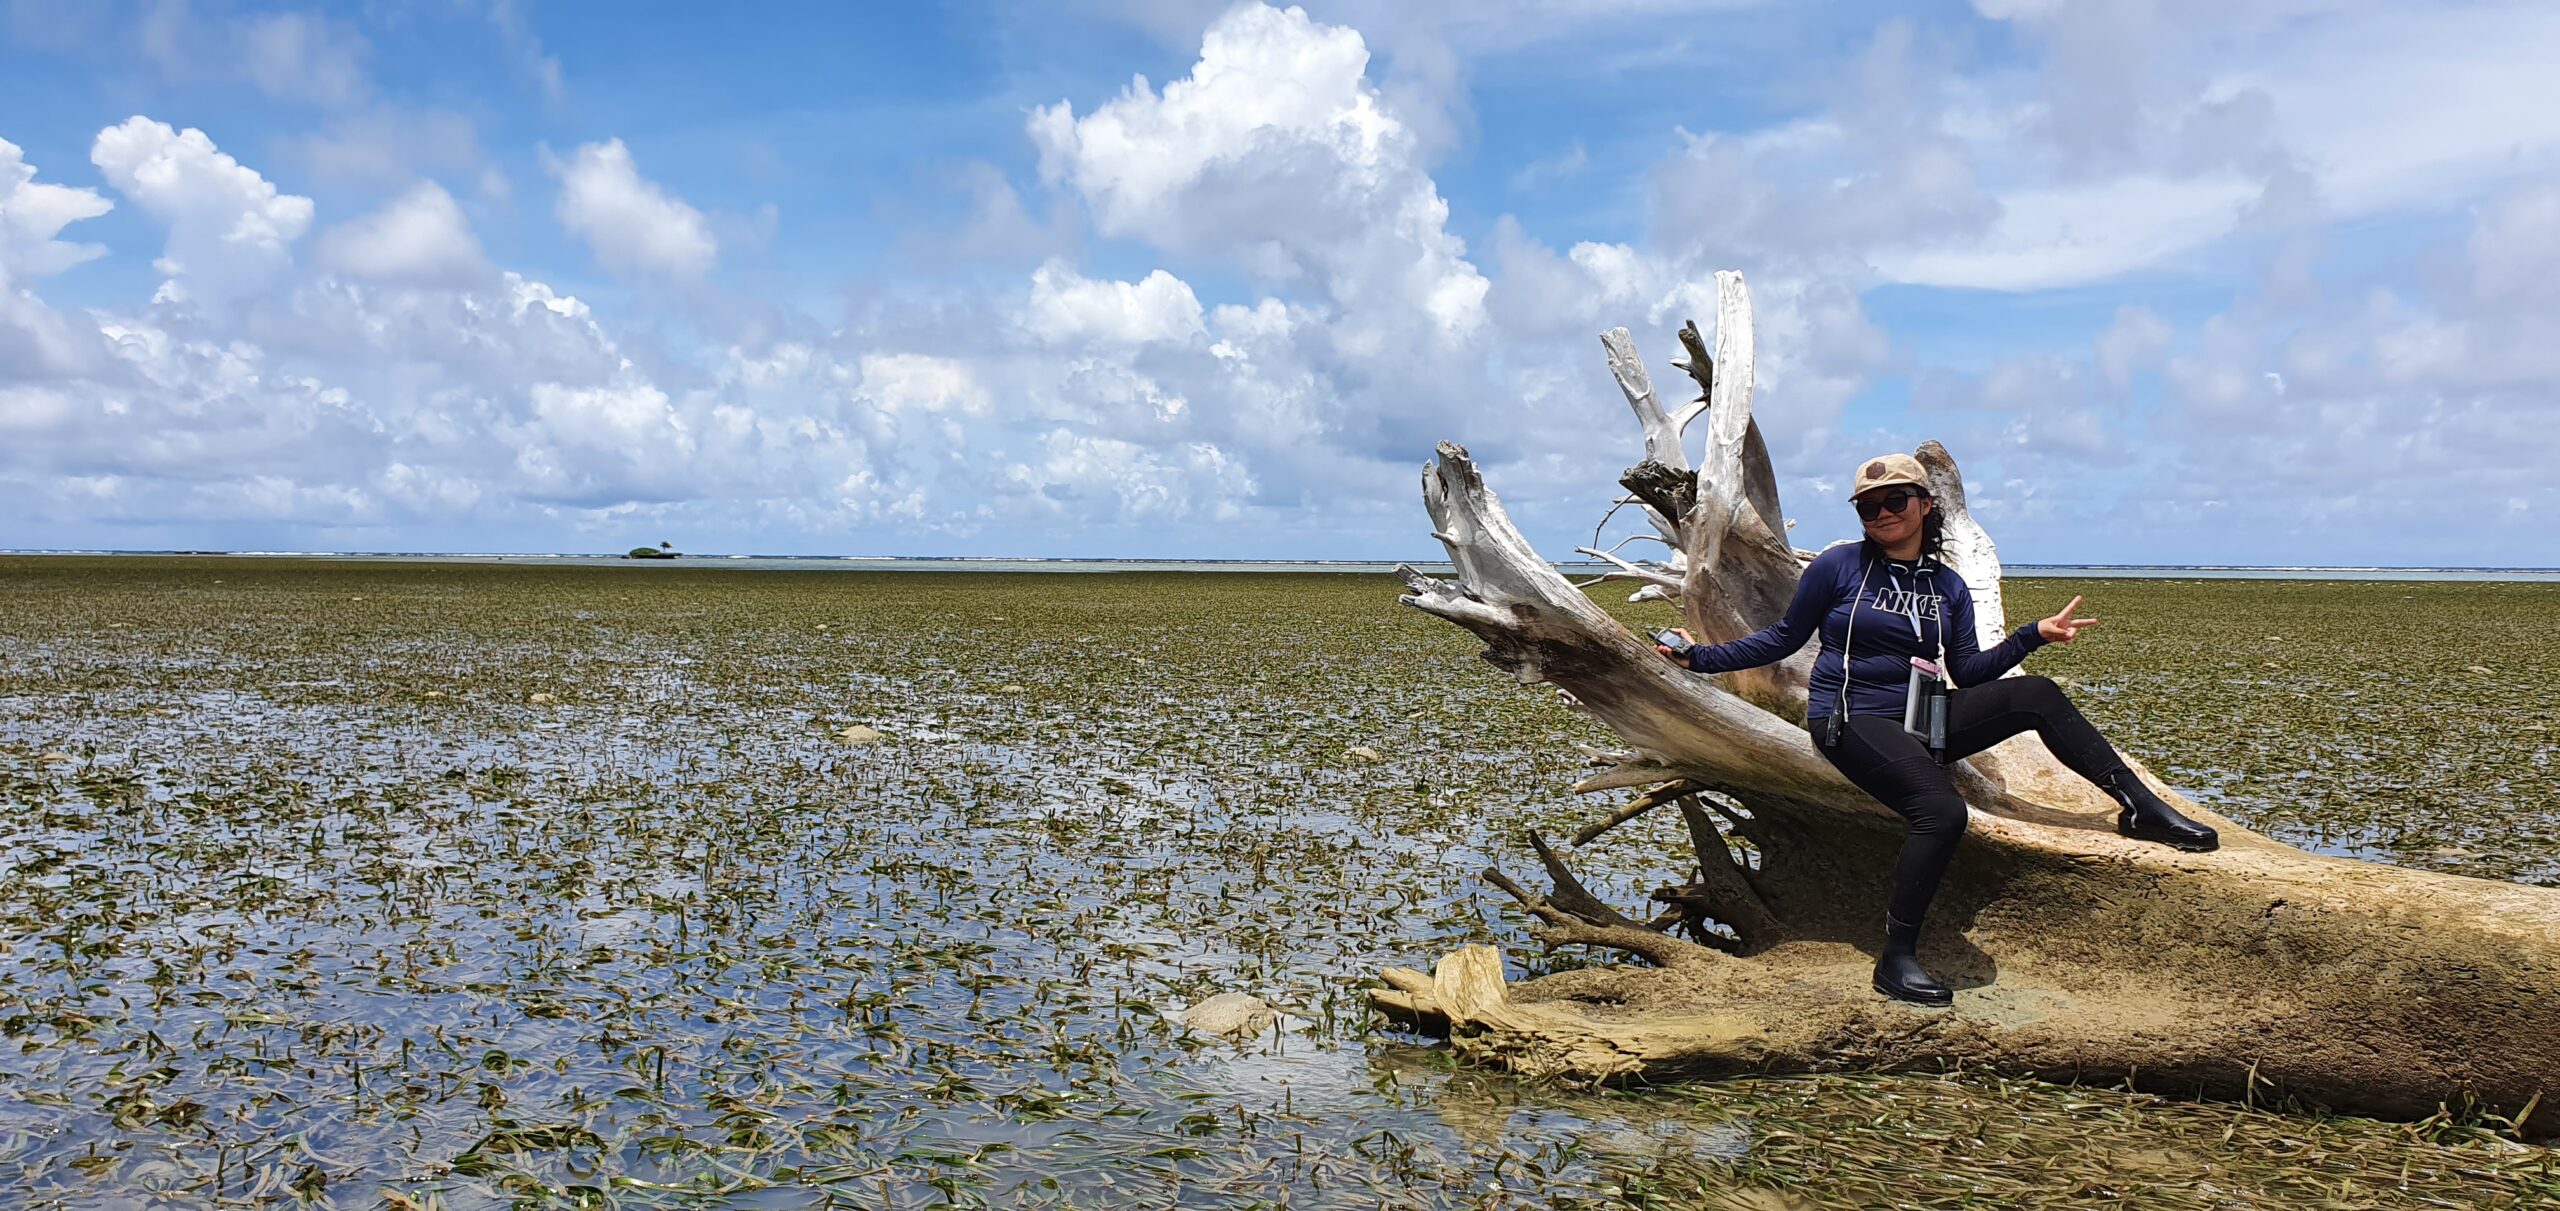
(1924,707)
(1672,640)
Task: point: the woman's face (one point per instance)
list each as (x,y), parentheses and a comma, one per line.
(1890,526)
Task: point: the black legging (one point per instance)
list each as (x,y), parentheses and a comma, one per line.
(1886,762)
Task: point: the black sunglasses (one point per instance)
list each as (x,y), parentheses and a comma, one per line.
(1890,502)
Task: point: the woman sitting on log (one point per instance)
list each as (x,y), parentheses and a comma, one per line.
(1890,603)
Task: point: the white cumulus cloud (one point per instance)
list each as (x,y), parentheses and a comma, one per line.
(1109,480)
(605,445)
(32,214)
(629,222)
(1067,307)
(1278,151)
(419,238)
(916,382)
(37,342)
(230,230)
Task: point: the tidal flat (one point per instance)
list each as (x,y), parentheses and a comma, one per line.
(442,885)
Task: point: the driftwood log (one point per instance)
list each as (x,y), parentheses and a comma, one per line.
(2258,970)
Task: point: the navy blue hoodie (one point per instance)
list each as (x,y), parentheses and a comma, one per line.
(1899,616)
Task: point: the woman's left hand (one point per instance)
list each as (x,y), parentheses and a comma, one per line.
(2062,627)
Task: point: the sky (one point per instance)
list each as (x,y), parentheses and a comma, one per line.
(2174,281)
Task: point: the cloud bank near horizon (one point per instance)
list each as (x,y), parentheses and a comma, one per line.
(2175,282)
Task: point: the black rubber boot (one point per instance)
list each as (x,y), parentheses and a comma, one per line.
(1898,971)
(2146,818)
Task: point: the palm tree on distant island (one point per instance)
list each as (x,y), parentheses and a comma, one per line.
(665,550)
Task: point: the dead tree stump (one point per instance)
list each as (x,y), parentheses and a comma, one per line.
(2076,954)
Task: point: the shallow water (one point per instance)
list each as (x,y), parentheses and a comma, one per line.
(309,896)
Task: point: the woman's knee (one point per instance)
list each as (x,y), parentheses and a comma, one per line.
(2041,689)
(1936,815)
(2043,698)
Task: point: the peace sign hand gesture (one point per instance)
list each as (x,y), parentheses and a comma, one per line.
(2062,627)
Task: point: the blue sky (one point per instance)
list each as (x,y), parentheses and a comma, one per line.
(2175,282)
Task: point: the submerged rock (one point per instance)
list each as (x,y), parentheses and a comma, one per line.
(543,699)
(858,734)
(1366,753)
(1231,1015)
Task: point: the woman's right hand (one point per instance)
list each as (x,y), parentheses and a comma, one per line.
(2064,627)
(1672,656)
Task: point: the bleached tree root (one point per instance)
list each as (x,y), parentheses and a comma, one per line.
(2198,975)
(2256,970)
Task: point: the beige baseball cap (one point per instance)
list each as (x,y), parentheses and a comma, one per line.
(1890,469)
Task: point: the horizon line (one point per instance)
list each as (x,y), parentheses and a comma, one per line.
(1165,559)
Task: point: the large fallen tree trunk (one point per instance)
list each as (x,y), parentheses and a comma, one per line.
(2258,969)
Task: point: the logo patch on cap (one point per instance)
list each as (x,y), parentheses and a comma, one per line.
(1876,467)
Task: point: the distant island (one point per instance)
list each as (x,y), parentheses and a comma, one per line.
(661,551)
